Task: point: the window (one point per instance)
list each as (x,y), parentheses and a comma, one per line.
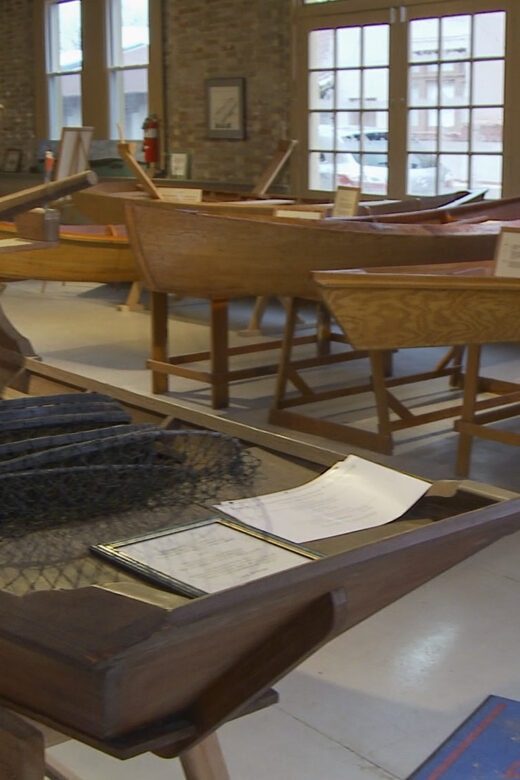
(410,98)
(64,63)
(462,58)
(128,56)
(348,107)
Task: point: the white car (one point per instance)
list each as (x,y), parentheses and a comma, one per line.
(422,173)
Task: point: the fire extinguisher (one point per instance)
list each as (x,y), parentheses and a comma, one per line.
(151,140)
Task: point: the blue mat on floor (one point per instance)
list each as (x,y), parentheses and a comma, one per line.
(485,747)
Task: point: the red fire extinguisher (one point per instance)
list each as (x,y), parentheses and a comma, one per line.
(151,140)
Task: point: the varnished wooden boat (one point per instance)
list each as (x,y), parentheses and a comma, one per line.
(85,253)
(220,257)
(389,311)
(127,675)
(104,202)
(480,211)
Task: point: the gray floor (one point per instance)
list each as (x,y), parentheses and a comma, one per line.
(376,701)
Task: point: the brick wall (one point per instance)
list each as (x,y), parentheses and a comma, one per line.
(17,80)
(202,39)
(228,38)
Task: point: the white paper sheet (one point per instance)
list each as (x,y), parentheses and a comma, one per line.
(352,495)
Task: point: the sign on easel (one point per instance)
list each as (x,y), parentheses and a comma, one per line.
(73,151)
(346,202)
(507,255)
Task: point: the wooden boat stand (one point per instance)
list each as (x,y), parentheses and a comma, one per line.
(380,383)
(219,374)
(473,422)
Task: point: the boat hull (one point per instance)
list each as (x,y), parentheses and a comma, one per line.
(91,256)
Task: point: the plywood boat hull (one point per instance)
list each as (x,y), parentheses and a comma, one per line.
(84,254)
(222,257)
(388,311)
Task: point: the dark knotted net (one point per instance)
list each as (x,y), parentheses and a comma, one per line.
(74,471)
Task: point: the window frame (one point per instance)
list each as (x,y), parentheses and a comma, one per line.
(361,12)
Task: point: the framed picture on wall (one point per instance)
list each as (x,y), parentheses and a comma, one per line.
(12,160)
(225,105)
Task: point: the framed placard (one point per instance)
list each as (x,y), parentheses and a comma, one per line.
(12,160)
(205,556)
(507,255)
(180,164)
(346,201)
(73,151)
(225,105)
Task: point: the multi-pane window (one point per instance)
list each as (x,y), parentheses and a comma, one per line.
(128,57)
(348,107)
(64,62)
(455,101)
(435,80)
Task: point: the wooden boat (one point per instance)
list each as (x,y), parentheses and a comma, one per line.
(85,253)
(127,675)
(104,202)
(388,311)
(222,257)
(480,211)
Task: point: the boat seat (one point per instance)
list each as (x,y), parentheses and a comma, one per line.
(389,311)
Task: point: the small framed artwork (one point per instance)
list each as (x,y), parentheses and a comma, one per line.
(12,160)
(225,104)
(180,160)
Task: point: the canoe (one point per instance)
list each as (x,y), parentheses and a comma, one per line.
(85,253)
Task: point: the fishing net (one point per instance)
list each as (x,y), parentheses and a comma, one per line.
(75,471)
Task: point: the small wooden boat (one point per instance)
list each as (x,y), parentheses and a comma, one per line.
(85,253)
(222,257)
(127,675)
(389,311)
(104,202)
(480,211)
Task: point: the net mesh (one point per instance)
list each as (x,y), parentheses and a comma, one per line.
(75,471)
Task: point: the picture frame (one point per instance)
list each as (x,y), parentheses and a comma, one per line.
(180,164)
(204,556)
(225,107)
(12,160)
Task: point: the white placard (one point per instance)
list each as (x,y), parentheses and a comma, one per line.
(507,256)
(352,495)
(346,202)
(181,194)
(294,214)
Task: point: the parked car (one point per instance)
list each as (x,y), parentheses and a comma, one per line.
(422,173)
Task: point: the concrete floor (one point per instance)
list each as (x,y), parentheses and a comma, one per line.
(375,702)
